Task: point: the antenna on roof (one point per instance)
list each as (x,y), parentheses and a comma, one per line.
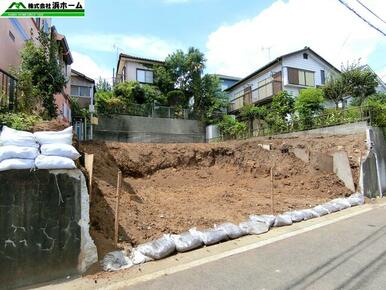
(268,48)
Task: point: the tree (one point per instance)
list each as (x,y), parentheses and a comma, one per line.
(279,112)
(40,76)
(252,112)
(308,104)
(335,90)
(360,82)
(210,102)
(103,85)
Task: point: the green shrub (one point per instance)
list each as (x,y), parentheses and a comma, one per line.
(308,105)
(19,121)
(231,128)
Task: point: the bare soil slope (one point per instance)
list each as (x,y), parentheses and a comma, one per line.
(169,188)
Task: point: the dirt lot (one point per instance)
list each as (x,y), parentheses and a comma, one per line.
(169,188)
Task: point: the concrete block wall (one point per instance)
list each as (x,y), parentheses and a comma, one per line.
(43,226)
(133,129)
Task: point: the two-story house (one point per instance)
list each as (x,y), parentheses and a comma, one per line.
(14,32)
(291,72)
(65,59)
(132,68)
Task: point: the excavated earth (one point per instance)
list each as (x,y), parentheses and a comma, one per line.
(170,188)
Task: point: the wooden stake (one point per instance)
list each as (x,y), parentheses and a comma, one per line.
(272,199)
(116,223)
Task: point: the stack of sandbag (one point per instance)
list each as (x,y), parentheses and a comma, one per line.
(18,149)
(56,150)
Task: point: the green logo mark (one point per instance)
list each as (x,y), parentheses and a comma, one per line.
(18,5)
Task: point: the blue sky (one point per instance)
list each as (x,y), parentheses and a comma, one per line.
(236,36)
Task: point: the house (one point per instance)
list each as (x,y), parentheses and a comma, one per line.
(291,72)
(132,68)
(62,99)
(14,32)
(82,89)
(227,81)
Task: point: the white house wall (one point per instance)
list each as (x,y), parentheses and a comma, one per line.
(131,70)
(312,63)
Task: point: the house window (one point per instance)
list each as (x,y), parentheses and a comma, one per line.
(301,77)
(305,55)
(145,76)
(11,36)
(80,91)
(322,77)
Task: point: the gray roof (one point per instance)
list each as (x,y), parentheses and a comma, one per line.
(279,59)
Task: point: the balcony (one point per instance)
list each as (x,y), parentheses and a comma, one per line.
(258,95)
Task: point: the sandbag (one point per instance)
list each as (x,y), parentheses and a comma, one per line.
(14,163)
(62,150)
(296,216)
(186,242)
(331,207)
(54,162)
(136,257)
(158,249)
(54,137)
(115,261)
(283,220)
(233,231)
(14,137)
(268,219)
(341,202)
(12,151)
(356,199)
(254,227)
(210,236)
(321,210)
(309,214)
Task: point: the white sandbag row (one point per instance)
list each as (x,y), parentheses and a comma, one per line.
(18,148)
(193,239)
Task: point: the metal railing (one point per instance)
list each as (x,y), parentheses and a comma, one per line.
(7,91)
(151,111)
(257,95)
(329,117)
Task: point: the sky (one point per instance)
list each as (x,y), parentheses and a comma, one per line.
(236,36)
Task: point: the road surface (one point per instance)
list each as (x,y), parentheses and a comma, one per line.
(349,254)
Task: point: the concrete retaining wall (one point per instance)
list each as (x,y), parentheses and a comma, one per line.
(44,231)
(132,129)
(345,129)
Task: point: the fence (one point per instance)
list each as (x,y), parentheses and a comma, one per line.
(333,117)
(152,111)
(7,91)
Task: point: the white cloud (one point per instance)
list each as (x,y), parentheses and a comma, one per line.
(145,46)
(326,26)
(85,65)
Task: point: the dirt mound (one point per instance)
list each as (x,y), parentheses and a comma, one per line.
(52,125)
(169,188)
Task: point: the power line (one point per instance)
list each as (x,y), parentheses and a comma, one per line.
(368,9)
(365,20)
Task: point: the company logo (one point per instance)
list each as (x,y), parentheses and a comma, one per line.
(45,9)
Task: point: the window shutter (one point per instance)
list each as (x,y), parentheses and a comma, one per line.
(322,77)
(293,76)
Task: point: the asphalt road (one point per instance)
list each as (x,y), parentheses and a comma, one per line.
(349,254)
